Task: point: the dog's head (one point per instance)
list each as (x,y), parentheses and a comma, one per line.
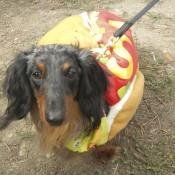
(54,77)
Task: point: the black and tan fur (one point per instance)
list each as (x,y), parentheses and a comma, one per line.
(61,86)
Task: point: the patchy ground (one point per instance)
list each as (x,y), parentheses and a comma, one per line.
(147,145)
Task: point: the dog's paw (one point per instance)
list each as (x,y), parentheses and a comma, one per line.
(106,151)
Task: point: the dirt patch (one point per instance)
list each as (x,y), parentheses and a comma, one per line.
(148,144)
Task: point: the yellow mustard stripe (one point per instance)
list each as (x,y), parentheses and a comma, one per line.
(114,67)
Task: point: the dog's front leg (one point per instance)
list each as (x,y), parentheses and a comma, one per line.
(106,151)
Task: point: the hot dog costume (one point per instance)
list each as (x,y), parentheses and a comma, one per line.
(94,31)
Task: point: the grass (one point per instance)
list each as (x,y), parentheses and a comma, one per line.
(154,16)
(158,76)
(141,158)
(84,5)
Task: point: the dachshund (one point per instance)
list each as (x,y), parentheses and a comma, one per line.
(70,91)
(61,86)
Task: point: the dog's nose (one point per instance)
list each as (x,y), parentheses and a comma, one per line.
(54,118)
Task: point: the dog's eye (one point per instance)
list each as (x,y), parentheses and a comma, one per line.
(36,75)
(70,73)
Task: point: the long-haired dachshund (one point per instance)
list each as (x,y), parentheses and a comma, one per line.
(60,85)
(63,88)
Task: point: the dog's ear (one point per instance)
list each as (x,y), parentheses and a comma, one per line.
(17,90)
(93,84)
